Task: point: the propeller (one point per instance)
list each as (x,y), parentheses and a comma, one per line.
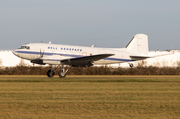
(41,54)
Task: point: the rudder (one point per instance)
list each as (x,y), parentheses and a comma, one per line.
(138,44)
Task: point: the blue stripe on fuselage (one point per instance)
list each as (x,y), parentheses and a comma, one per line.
(70,55)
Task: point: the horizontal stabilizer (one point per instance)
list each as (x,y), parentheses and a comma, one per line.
(139,57)
(145,57)
(164,54)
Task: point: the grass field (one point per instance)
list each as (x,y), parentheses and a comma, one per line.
(96,97)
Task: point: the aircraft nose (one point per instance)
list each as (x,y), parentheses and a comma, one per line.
(15,52)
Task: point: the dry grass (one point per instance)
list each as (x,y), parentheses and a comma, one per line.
(89,97)
(93,76)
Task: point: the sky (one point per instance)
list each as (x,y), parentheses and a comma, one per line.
(103,23)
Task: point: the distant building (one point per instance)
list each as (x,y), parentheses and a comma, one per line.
(8,59)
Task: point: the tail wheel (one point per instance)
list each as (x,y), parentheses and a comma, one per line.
(131,65)
(62,74)
(50,73)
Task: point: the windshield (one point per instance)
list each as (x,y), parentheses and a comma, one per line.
(25,47)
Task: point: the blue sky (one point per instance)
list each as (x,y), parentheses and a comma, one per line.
(103,23)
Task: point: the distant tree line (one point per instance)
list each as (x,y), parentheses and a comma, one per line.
(103,70)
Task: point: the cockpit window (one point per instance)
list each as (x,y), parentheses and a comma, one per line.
(25,47)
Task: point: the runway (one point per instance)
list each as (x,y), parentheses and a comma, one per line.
(90,97)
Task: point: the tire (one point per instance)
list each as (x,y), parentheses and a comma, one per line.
(50,74)
(131,65)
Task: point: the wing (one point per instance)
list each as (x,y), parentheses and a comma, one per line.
(84,61)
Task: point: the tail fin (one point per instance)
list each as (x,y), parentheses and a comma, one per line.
(139,44)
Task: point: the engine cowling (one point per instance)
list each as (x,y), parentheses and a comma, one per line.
(38,61)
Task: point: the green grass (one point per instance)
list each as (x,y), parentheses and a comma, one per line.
(89,97)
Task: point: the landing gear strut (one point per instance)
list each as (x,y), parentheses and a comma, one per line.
(62,73)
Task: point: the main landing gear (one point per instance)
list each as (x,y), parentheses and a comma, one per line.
(62,72)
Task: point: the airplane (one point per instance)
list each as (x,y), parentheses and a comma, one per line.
(80,56)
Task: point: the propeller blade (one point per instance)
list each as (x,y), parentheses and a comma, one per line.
(41,54)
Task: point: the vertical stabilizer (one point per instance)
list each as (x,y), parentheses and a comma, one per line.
(138,45)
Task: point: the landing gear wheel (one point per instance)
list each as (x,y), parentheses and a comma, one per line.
(131,65)
(62,74)
(50,73)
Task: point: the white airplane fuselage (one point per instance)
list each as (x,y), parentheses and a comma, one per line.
(55,53)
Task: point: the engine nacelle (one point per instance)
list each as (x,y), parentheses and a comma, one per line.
(51,62)
(89,64)
(38,61)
